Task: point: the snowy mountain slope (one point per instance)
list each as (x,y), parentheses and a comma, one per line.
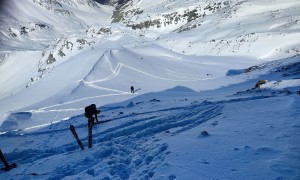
(84,33)
(49,38)
(76,90)
(223,27)
(194,65)
(161,136)
(43,21)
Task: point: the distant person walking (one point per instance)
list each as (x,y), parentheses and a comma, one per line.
(132,89)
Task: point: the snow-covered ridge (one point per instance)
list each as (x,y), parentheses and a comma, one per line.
(165,14)
(53,30)
(216,88)
(248,28)
(164,130)
(44,21)
(189,32)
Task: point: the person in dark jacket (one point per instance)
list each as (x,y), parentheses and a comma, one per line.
(132,89)
(90,111)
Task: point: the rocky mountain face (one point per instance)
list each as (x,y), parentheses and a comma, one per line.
(57,4)
(112,2)
(176,15)
(223,27)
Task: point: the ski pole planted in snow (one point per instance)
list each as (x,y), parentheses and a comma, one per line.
(7,166)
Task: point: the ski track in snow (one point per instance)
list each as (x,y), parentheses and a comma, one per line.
(116,72)
(113,92)
(123,150)
(126,147)
(134,144)
(40,110)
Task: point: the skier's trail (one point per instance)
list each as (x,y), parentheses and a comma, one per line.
(130,148)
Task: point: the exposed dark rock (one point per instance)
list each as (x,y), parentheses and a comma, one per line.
(260,82)
(51,59)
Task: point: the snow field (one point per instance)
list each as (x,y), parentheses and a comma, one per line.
(188,83)
(167,141)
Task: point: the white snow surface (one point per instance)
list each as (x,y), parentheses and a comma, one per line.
(195,113)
